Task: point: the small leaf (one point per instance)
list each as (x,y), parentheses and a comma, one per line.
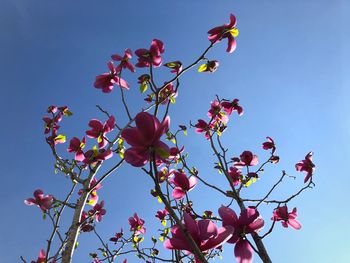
(202,68)
(143,87)
(60,138)
(172,100)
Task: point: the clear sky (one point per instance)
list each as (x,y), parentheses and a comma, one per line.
(290,72)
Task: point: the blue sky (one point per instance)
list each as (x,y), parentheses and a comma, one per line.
(289,72)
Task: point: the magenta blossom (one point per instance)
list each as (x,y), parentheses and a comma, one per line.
(99,211)
(247,158)
(228,31)
(136,225)
(117,236)
(249,222)
(147,58)
(44,202)
(124,61)
(77,146)
(99,130)
(182,184)
(215,112)
(204,232)
(161,214)
(307,166)
(51,123)
(167,93)
(236,175)
(269,144)
(229,107)
(281,214)
(203,127)
(42,257)
(106,81)
(93,197)
(93,156)
(144,139)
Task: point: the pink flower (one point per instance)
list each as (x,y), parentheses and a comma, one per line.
(307,166)
(247,158)
(152,56)
(248,222)
(51,123)
(232,106)
(175,66)
(136,225)
(236,175)
(182,184)
(44,202)
(144,139)
(99,130)
(215,112)
(161,214)
(41,257)
(117,236)
(98,211)
(281,214)
(167,93)
(228,31)
(86,222)
(93,197)
(106,81)
(93,156)
(76,146)
(204,232)
(269,144)
(124,61)
(203,127)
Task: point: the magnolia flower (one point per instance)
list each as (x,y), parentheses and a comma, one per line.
(93,156)
(144,139)
(307,166)
(106,81)
(76,146)
(204,232)
(147,58)
(44,202)
(229,107)
(99,130)
(124,61)
(248,222)
(182,184)
(136,225)
(247,158)
(228,31)
(203,127)
(281,214)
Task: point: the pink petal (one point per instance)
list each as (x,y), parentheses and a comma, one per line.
(294,223)
(223,235)
(243,252)
(207,229)
(191,226)
(136,156)
(229,217)
(178,193)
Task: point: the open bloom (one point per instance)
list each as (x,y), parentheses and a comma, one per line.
(124,61)
(248,222)
(77,146)
(136,225)
(99,211)
(215,112)
(203,127)
(161,214)
(93,156)
(204,232)
(106,81)
(145,139)
(307,166)
(228,31)
(44,202)
(182,184)
(99,130)
(93,197)
(247,158)
(152,56)
(236,175)
(230,106)
(281,214)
